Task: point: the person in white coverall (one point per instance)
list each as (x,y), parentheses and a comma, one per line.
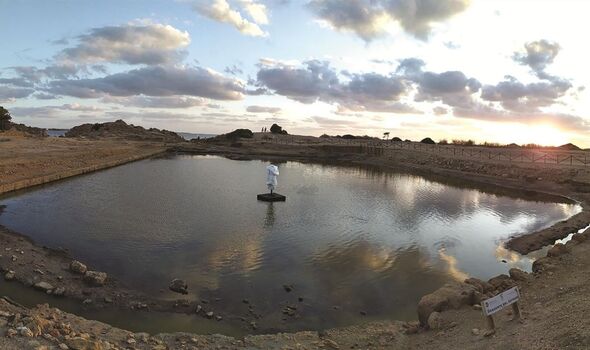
(272,171)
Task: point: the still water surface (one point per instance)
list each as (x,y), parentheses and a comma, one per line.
(348,239)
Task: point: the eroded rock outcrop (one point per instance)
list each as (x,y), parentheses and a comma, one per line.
(450,296)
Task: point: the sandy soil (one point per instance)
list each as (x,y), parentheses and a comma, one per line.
(550,297)
(26,161)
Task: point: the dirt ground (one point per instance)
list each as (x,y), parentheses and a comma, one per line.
(27,161)
(554,300)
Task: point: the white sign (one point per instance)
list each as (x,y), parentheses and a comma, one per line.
(500,301)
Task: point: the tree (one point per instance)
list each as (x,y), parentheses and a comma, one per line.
(386,135)
(276,129)
(5,119)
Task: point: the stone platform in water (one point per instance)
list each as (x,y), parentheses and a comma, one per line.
(271,197)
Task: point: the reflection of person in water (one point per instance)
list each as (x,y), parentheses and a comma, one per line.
(272,171)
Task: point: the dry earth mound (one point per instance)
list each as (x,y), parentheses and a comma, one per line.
(121,130)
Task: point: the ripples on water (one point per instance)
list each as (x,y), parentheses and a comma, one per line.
(348,239)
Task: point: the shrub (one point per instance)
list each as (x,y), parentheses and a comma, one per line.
(240,133)
(276,129)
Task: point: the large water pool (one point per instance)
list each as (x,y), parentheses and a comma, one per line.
(355,243)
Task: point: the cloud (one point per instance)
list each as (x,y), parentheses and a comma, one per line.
(331,123)
(256,10)
(370,19)
(154,81)
(157,102)
(363,18)
(538,55)
(9,93)
(131,44)
(440,110)
(221,11)
(52,111)
(317,81)
(263,109)
(516,96)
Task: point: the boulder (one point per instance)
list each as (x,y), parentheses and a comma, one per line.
(518,274)
(178,286)
(10,275)
(557,250)
(543,264)
(482,286)
(59,291)
(449,296)
(79,343)
(44,286)
(78,267)
(95,278)
(501,282)
(435,321)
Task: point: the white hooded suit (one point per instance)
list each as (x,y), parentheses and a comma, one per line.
(272,171)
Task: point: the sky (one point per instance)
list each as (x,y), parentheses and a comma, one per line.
(488,70)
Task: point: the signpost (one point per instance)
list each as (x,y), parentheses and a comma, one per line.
(500,301)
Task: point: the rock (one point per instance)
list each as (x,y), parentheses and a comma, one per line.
(44,286)
(198,309)
(218,318)
(475,331)
(288,287)
(78,267)
(59,291)
(178,286)
(25,332)
(87,301)
(518,274)
(579,238)
(569,244)
(209,314)
(482,286)
(329,343)
(245,301)
(63,346)
(11,332)
(108,300)
(501,282)
(10,275)
(95,278)
(79,343)
(253,325)
(411,327)
(476,307)
(557,250)
(543,264)
(450,296)
(489,333)
(435,321)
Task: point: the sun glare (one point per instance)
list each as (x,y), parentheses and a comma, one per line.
(546,135)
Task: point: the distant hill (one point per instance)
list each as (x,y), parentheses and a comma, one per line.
(121,130)
(569,147)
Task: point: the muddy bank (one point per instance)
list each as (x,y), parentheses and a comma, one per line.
(43,327)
